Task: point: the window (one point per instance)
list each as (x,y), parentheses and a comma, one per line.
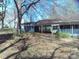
(55,27)
(76,26)
(65,26)
(47,28)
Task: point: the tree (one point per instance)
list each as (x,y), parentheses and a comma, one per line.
(22,8)
(3,5)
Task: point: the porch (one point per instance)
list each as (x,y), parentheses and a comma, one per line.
(72,29)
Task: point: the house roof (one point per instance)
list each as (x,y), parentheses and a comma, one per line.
(47,21)
(29,24)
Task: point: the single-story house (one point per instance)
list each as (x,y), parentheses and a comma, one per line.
(69,24)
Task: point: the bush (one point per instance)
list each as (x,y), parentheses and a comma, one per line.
(62,35)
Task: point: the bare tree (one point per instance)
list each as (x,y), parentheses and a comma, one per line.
(3,12)
(22,9)
(14,19)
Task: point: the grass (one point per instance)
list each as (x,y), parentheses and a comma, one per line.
(62,35)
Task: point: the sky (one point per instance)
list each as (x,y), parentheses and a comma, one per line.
(43,10)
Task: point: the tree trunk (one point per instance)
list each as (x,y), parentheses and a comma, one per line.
(2,23)
(19,24)
(19,18)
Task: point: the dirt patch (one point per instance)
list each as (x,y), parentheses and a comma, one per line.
(38,45)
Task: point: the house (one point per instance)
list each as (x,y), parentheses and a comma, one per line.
(68,24)
(29,27)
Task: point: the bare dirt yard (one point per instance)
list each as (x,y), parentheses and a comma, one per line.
(39,46)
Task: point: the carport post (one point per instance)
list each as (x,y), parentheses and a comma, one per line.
(59,29)
(72,29)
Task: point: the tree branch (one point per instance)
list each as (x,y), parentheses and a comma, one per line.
(31,4)
(37,11)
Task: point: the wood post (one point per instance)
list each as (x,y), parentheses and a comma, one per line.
(51,29)
(59,28)
(72,29)
(41,28)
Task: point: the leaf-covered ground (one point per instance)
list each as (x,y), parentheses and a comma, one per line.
(39,46)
